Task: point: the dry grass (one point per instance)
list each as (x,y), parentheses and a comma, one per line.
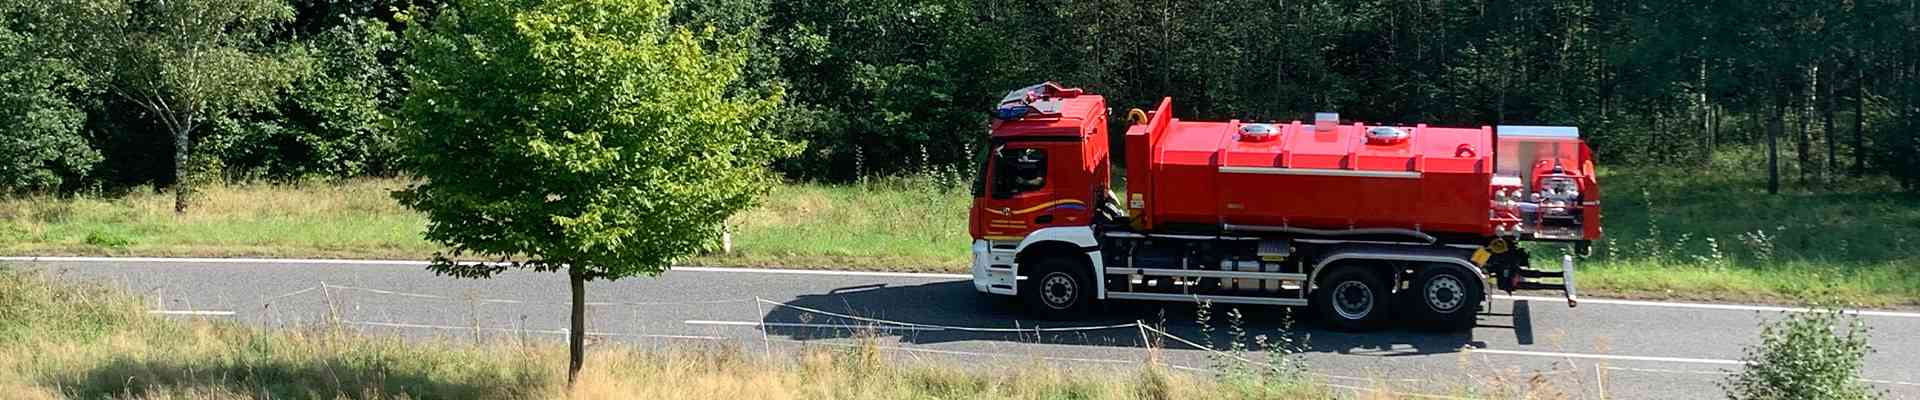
(351,219)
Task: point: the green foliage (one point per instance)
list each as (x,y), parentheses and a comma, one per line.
(582,133)
(108,240)
(41,146)
(183,61)
(1802,357)
(335,120)
(901,87)
(877,84)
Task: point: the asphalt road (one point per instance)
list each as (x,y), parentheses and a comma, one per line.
(1603,349)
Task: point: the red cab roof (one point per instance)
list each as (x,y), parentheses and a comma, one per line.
(1047,110)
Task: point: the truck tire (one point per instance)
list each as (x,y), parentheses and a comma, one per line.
(1445,298)
(1057,289)
(1353,298)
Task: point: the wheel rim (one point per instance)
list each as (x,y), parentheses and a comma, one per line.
(1352,300)
(1059,290)
(1445,293)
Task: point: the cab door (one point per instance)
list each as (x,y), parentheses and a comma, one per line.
(1025,189)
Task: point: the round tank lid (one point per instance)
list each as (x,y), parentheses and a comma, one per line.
(1386,135)
(1259,132)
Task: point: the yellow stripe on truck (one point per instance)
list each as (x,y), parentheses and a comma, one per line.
(1040,207)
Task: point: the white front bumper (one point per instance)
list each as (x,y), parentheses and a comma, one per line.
(993,269)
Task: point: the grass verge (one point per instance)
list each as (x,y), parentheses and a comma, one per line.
(61,341)
(1671,233)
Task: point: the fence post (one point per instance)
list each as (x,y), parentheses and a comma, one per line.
(765,343)
(333,311)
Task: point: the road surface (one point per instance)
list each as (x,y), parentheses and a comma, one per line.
(1603,349)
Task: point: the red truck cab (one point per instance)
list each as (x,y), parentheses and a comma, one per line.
(1046,165)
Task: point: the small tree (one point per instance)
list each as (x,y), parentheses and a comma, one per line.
(182,60)
(1802,357)
(589,137)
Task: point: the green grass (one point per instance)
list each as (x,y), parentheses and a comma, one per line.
(896,224)
(899,224)
(64,340)
(1854,240)
(1712,232)
(347,220)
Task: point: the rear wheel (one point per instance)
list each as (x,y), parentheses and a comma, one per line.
(1353,298)
(1445,298)
(1057,288)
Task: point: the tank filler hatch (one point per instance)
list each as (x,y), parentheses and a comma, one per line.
(1259,133)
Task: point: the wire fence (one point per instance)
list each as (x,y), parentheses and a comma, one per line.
(332,295)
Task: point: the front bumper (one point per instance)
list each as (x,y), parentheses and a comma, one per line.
(993,269)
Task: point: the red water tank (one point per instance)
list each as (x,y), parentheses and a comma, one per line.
(1321,177)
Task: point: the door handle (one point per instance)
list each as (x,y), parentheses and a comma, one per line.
(1043,220)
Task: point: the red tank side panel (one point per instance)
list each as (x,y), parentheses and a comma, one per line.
(1185,183)
(1434,180)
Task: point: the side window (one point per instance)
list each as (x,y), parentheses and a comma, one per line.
(1018,170)
(980,174)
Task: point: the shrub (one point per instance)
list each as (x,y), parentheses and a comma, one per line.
(1802,357)
(41,144)
(108,240)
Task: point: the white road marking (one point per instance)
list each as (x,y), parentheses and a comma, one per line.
(962,353)
(193,260)
(213,260)
(186,312)
(1672,371)
(800,325)
(1704,306)
(917,275)
(1555,354)
(540,331)
(913,275)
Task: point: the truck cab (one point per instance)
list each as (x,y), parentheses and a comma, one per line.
(1365,224)
(1044,171)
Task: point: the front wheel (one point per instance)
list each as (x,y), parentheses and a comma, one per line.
(1057,289)
(1353,298)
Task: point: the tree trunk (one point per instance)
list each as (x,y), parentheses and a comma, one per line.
(1713,131)
(1826,125)
(182,187)
(1775,124)
(577,333)
(1803,147)
(1859,120)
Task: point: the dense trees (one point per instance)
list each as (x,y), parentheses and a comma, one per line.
(183,62)
(1650,81)
(41,147)
(889,86)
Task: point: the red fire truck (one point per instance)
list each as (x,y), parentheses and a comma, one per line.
(1364,224)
